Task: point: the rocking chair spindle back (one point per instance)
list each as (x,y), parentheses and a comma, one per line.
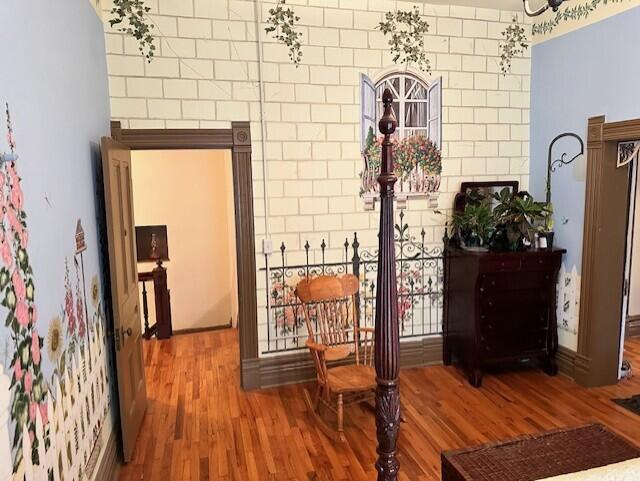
(331,313)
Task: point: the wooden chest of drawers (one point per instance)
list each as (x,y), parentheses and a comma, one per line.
(500,307)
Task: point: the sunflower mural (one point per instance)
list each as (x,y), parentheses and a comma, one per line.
(51,423)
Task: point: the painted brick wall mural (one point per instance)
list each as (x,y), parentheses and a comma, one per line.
(215,64)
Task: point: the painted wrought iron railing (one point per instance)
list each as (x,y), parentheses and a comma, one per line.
(420,279)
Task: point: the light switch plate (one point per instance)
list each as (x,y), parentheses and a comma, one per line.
(267,246)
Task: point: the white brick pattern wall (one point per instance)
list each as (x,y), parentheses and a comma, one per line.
(206,74)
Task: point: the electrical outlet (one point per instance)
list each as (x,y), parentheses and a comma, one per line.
(267,247)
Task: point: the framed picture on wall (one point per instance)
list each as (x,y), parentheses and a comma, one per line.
(151,243)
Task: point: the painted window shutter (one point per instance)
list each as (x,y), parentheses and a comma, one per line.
(367,108)
(435,112)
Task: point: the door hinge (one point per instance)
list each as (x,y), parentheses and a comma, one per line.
(625,290)
(116,333)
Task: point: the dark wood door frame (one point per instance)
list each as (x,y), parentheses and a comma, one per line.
(238,140)
(604,251)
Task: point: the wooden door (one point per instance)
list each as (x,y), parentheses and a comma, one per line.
(116,166)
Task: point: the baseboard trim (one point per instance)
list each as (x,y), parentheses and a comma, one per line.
(109,467)
(582,370)
(197,330)
(633,326)
(295,368)
(566,359)
(250,374)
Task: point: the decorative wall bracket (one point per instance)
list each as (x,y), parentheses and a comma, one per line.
(552,165)
(627,152)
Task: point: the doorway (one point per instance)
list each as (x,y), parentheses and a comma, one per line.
(631,292)
(118,198)
(604,257)
(173,193)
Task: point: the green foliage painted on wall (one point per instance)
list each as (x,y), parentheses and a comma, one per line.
(575,12)
(514,44)
(406,31)
(282,24)
(130,17)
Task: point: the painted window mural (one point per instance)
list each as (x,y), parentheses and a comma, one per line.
(418,162)
(54,394)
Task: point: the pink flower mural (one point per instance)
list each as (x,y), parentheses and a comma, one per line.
(418,165)
(28,385)
(55,423)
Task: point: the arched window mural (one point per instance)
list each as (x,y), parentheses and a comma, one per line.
(417,106)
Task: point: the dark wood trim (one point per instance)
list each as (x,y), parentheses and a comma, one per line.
(633,326)
(245,246)
(295,368)
(572,365)
(566,358)
(581,369)
(604,252)
(172,139)
(109,467)
(238,140)
(621,131)
(198,330)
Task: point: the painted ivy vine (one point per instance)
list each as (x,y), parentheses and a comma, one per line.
(406,31)
(130,17)
(515,43)
(576,12)
(281,23)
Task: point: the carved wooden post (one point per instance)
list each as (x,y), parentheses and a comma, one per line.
(164,329)
(386,331)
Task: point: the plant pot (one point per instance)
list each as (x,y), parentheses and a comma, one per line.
(470,239)
(545,240)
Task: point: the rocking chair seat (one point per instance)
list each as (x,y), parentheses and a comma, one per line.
(352,378)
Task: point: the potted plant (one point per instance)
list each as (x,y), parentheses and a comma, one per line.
(517,217)
(545,231)
(474,226)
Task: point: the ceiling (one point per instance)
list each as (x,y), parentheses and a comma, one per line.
(511,5)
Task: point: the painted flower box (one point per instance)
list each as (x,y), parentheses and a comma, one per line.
(417,164)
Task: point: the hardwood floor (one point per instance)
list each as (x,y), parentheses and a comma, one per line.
(201,426)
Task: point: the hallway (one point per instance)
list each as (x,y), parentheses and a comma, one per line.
(201,426)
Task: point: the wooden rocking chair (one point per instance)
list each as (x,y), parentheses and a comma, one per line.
(335,336)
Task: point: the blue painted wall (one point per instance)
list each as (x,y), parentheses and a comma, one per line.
(53,75)
(591,71)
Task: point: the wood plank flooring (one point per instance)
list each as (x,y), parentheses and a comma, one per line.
(201,426)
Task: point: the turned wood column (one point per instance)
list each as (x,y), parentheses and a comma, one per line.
(164,329)
(386,329)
